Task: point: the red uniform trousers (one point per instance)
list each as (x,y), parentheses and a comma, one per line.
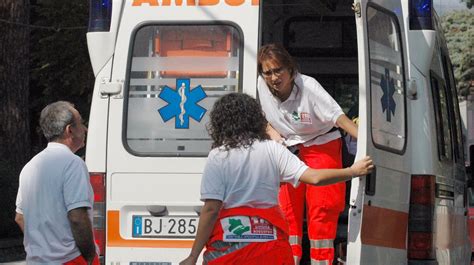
(323,205)
(276,252)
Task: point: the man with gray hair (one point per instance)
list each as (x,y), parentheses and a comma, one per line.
(54,201)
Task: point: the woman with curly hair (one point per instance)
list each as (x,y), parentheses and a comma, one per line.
(241,222)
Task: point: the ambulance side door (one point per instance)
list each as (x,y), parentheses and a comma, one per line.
(378,216)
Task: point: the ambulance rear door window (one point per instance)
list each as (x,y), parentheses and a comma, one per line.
(176,73)
(387,80)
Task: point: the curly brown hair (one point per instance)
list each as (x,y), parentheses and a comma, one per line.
(237,120)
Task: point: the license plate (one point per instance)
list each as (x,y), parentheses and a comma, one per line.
(164,226)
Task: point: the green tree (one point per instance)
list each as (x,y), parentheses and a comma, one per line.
(14,95)
(42,60)
(469,3)
(459,32)
(60,66)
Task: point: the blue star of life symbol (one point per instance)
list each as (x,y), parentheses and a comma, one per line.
(182,103)
(388,87)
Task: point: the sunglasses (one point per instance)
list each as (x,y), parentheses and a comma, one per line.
(276,71)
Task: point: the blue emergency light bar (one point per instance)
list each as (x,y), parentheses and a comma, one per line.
(100,13)
(421,14)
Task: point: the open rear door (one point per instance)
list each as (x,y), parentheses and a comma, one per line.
(174,59)
(378,217)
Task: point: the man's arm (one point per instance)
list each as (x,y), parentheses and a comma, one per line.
(82,232)
(347,125)
(20,221)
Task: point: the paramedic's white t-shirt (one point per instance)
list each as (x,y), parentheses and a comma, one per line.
(305,116)
(250,176)
(54,182)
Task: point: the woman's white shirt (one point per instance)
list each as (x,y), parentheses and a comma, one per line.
(250,176)
(306,116)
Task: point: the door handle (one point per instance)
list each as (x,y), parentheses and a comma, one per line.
(370,180)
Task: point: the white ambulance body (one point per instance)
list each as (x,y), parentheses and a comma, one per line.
(161,64)
(467,116)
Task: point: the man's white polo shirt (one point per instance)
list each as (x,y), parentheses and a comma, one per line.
(54,182)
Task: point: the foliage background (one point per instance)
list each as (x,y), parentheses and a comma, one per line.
(60,65)
(459,32)
(469,3)
(60,69)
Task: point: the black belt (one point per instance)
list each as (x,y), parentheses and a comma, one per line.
(294,148)
(333,129)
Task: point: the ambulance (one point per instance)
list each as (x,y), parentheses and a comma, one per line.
(466,107)
(161,64)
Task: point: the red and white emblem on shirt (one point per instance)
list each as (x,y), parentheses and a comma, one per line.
(305,117)
(260,226)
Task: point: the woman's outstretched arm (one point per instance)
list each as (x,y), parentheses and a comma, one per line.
(321,177)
